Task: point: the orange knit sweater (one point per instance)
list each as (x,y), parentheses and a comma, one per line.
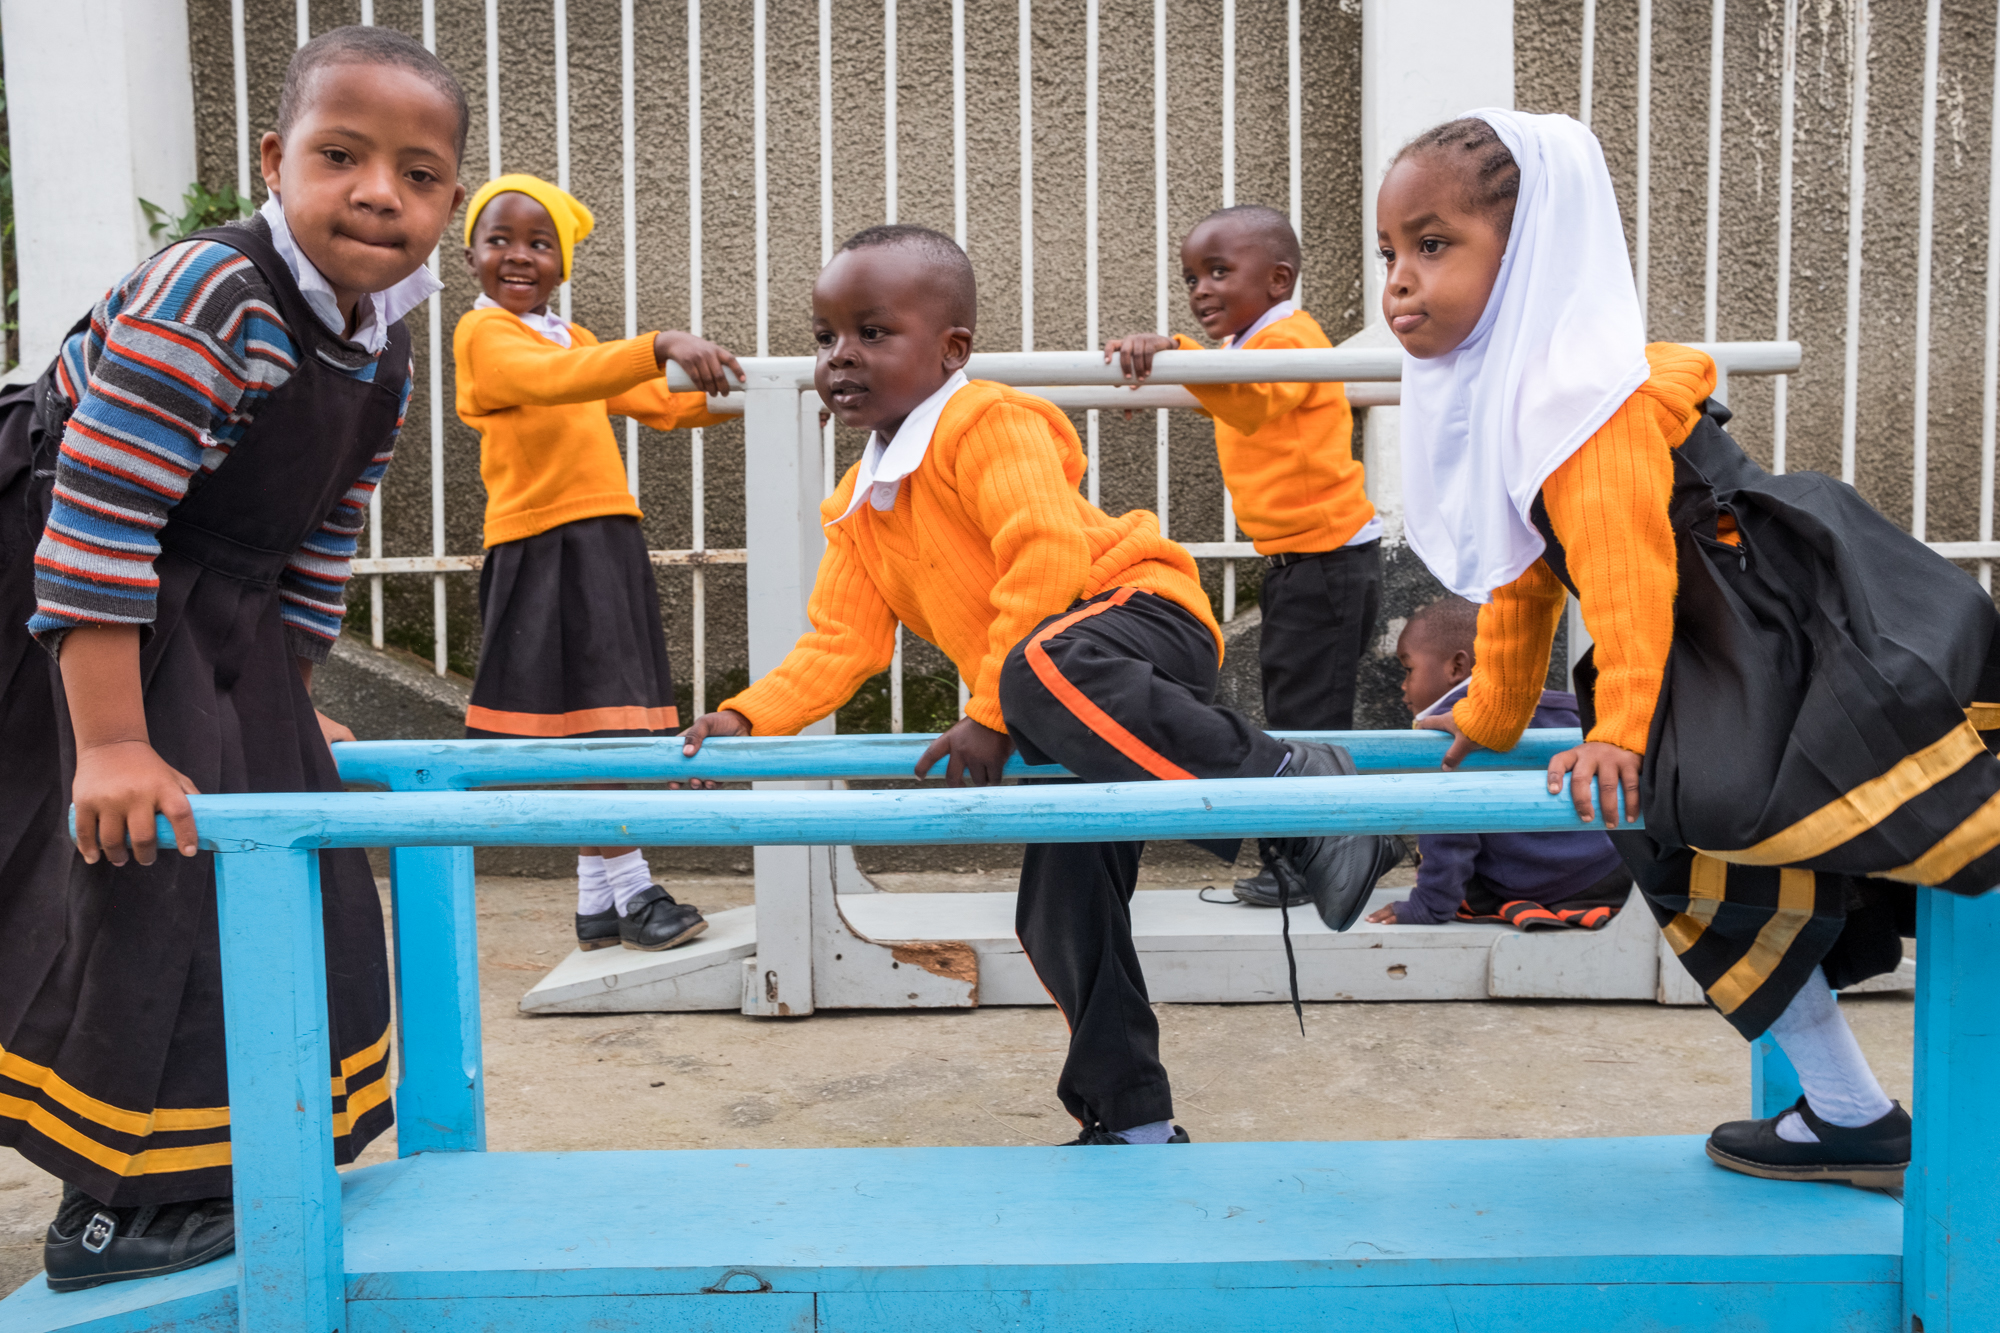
(543,412)
(1608,506)
(988,538)
(1287,451)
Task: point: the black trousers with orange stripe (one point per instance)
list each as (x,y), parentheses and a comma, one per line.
(1118,688)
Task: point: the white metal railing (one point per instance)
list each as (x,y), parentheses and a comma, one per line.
(1082,388)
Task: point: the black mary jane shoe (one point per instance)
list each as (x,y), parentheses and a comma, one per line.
(1095,1135)
(1872,1156)
(88,1245)
(654,921)
(597,930)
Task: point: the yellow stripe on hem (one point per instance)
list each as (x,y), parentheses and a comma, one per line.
(1862,808)
(1972,839)
(1708,886)
(1795,903)
(150,1162)
(116,1118)
(1983,717)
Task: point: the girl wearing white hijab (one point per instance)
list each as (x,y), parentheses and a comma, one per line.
(1786,686)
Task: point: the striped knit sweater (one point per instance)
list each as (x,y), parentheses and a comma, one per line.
(1608,506)
(987,539)
(167,378)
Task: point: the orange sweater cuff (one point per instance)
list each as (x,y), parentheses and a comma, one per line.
(1497,721)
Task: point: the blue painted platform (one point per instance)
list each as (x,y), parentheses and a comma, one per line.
(1514,1236)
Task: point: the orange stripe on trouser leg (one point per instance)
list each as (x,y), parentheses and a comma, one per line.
(1100,722)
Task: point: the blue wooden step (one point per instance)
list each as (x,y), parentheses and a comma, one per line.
(1510,1236)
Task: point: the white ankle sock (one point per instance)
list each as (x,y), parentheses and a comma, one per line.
(1838,1084)
(1157,1132)
(593,890)
(629,876)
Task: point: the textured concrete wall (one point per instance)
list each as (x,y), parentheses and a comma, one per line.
(1548,49)
(1331,44)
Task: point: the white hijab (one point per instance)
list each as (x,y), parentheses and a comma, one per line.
(1559,348)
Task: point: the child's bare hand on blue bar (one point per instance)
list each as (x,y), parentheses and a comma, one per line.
(978,754)
(701,359)
(1461,744)
(334,732)
(727,722)
(1613,766)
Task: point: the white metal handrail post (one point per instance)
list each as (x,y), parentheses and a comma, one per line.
(782,490)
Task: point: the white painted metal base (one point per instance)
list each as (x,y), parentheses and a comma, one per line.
(950,950)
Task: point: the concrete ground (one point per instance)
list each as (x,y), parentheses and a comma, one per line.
(1498,1069)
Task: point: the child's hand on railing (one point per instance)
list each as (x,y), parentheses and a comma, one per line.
(728,722)
(1135,353)
(120,787)
(331,730)
(700,358)
(1461,744)
(978,754)
(1613,766)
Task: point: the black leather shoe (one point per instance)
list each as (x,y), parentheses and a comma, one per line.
(1094,1135)
(598,930)
(1259,890)
(654,921)
(1337,872)
(1872,1156)
(88,1247)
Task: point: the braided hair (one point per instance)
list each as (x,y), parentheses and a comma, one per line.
(1474,149)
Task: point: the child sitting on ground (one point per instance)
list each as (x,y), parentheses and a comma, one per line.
(1535,881)
(1782,682)
(222,417)
(1086,640)
(573,644)
(1287,456)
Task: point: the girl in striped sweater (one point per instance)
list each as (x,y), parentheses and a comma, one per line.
(1787,687)
(214,429)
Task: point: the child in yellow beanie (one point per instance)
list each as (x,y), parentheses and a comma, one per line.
(573,644)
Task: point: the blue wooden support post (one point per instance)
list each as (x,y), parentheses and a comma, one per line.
(291,1275)
(1951,1195)
(1774,1084)
(441,1096)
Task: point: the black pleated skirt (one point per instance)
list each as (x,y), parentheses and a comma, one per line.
(572,644)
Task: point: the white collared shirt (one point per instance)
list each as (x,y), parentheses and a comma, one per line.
(884,464)
(1282,310)
(378,310)
(549,324)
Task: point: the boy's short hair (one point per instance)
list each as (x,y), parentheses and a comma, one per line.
(957,285)
(358,45)
(1273,228)
(1448,625)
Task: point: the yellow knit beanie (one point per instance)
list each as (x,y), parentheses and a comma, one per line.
(573,221)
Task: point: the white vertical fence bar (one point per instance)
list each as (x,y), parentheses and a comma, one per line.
(367,13)
(1586,81)
(240,76)
(697,481)
(1642,204)
(760,133)
(889,91)
(629,197)
(826,452)
(1160,428)
(1293,125)
(1920,426)
(1990,396)
(1093,336)
(1712,237)
(1228,201)
(560,17)
(1857,195)
(439,640)
(1024,59)
(304,13)
(957,120)
(492,85)
(1787,137)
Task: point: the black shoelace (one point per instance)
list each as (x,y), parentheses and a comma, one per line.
(1280,866)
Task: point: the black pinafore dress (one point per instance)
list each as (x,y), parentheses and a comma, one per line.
(1821,743)
(114,1075)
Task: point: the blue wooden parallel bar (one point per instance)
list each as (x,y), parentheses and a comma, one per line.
(1517,1237)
